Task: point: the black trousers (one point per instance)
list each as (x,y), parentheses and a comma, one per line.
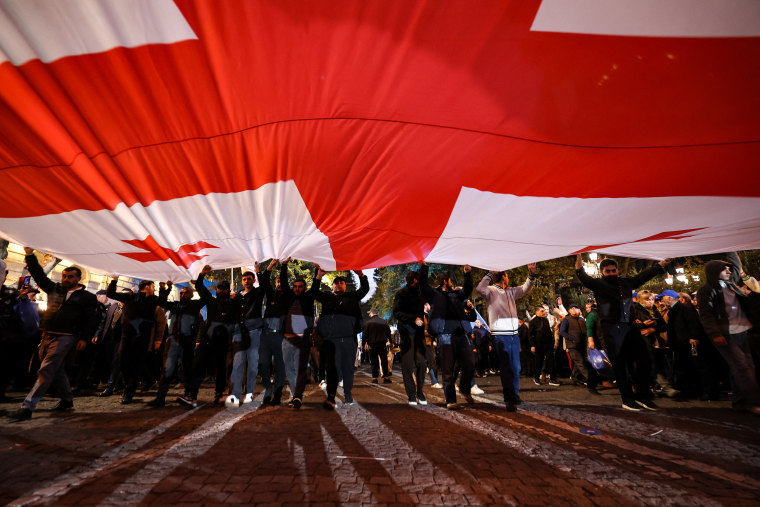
(133,352)
(214,354)
(378,357)
(545,351)
(630,360)
(459,351)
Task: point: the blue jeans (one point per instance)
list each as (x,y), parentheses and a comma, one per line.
(743,382)
(508,351)
(271,348)
(239,360)
(291,356)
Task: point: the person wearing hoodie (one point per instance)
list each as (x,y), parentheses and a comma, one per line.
(627,351)
(339,325)
(726,315)
(409,312)
(447,323)
(223,319)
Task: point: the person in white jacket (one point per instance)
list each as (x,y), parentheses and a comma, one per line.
(502,319)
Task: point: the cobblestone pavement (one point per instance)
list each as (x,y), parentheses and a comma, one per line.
(563,447)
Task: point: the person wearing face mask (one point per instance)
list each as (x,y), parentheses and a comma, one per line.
(184,321)
(223,317)
(626,350)
(70,320)
(139,313)
(726,314)
(339,325)
(409,312)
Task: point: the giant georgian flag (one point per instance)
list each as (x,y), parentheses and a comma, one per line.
(150,137)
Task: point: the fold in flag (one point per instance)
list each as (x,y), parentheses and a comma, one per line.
(151,137)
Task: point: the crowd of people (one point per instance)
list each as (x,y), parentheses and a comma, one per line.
(643,344)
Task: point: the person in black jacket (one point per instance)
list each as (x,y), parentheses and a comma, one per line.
(246,339)
(339,325)
(409,312)
(727,315)
(184,322)
(542,345)
(138,316)
(447,323)
(693,353)
(70,319)
(299,322)
(623,343)
(222,319)
(270,350)
(376,335)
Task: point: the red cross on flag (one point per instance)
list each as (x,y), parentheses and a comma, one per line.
(150,137)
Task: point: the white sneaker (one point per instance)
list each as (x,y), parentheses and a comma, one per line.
(423,402)
(340,383)
(323,385)
(437,386)
(457,388)
(231,401)
(248,398)
(476,390)
(412,403)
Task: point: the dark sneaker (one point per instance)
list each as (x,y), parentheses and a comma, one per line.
(374,381)
(22,414)
(156,403)
(468,397)
(453,406)
(329,404)
(591,390)
(63,406)
(108,391)
(187,401)
(126,399)
(387,381)
(295,403)
(631,405)
(266,401)
(647,404)
(275,401)
(511,407)
(537,381)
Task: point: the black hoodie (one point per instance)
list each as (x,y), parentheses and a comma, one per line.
(712,305)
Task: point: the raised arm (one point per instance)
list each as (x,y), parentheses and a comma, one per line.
(466,291)
(482,287)
(200,287)
(363,285)
(40,278)
(116,296)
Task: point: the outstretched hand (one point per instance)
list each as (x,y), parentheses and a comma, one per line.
(532,268)
(664,262)
(578,261)
(467,268)
(28,251)
(206,270)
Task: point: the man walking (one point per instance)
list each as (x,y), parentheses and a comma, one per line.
(376,335)
(70,320)
(503,321)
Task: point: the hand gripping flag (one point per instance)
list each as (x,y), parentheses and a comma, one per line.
(150,137)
